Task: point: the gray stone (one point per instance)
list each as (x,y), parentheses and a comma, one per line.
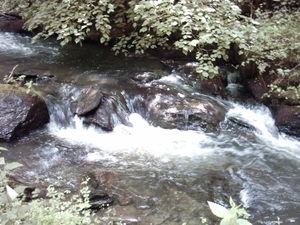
(87,100)
(20,112)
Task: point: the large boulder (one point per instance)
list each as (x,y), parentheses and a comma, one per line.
(11,23)
(287,119)
(185,113)
(20,112)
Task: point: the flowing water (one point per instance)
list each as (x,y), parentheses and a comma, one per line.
(169,174)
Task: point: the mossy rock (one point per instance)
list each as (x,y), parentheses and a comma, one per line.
(20,112)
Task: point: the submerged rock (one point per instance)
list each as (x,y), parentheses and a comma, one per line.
(106,178)
(20,112)
(99,199)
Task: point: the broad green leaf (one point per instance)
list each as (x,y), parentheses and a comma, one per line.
(217,209)
(20,189)
(174,23)
(11,193)
(2,174)
(3,149)
(2,161)
(225,222)
(243,222)
(4,198)
(13,165)
(144,29)
(194,42)
(102,40)
(205,74)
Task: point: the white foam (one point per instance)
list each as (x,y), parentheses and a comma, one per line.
(261,118)
(140,138)
(11,43)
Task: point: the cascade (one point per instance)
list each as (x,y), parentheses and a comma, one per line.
(169,173)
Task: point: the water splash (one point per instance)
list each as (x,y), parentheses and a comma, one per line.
(14,44)
(140,138)
(258,116)
(261,119)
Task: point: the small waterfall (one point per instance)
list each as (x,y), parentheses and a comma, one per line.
(233,77)
(258,117)
(158,167)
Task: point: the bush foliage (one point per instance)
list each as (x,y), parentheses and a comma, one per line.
(264,32)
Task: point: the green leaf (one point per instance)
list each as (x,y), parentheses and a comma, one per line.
(20,189)
(2,175)
(205,74)
(243,222)
(13,165)
(102,40)
(4,198)
(217,209)
(174,23)
(11,193)
(194,42)
(144,29)
(3,149)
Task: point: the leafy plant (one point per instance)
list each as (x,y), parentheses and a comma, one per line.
(275,44)
(230,216)
(60,207)
(209,30)
(19,81)
(200,28)
(12,211)
(74,19)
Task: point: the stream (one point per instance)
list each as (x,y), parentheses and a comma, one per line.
(169,174)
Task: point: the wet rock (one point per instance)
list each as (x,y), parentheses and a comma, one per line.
(86,100)
(11,23)
(20,112)
(258,88)
(108,114)
(106,178)
(287,119)
(99,199)
(211,87)
(31,193)
(241,123)
(186,113)
(124,200)
(145,77)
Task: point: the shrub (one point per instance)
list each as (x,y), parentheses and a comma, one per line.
(266,34)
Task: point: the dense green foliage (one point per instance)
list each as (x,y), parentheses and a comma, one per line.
(210,30)
(276,43)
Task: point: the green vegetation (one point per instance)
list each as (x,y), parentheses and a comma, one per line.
(230,216)
(210,30)
(20,81)
(59,207)
(64,207)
